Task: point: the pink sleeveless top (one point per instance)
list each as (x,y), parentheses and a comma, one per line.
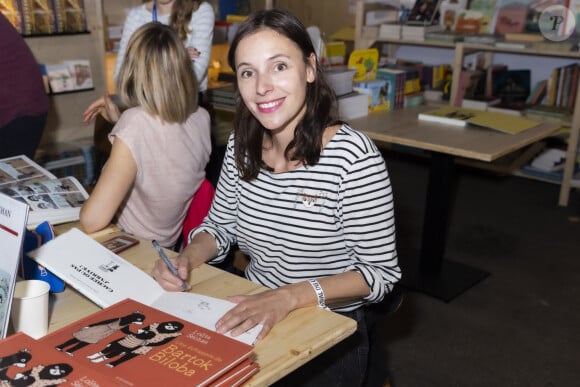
(171,160)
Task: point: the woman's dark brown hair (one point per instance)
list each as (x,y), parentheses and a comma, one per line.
(320,100)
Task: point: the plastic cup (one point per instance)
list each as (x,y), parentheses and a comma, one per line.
(30,308)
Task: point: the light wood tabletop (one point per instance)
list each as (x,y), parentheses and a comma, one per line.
(402,127)
(302,335)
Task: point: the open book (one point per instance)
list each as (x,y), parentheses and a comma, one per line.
(106,278)
(50,198)
(13,214)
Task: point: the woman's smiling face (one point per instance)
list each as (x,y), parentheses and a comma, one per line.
(272,78)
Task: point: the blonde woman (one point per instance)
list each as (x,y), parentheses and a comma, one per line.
(160,143)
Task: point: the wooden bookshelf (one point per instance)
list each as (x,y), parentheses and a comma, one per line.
(461,50)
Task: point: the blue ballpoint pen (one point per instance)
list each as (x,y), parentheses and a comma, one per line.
(165,259)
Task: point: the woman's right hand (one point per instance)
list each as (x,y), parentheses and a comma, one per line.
(103,106)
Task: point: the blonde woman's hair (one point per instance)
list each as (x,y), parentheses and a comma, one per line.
(181,12)
(157,74)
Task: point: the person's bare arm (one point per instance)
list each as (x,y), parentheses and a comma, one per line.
(112,187)
(271,306)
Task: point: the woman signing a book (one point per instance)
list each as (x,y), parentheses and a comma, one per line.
(161,143)
(306,197)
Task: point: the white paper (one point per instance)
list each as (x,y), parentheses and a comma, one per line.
(106,278)
(13,218)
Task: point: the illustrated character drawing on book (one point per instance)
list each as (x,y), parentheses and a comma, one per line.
(94,333)
(304,195)
(139,343)
(40,376)
(18,359)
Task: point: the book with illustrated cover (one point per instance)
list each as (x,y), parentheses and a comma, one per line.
(449,11)
(424,12)
(365,63)
(487,9)
(60,78)
(13,216)
(133,344)
(461,117)
(52,199)
(102,276)
(80,70)
(27,362)
(511,16)
(469,22)
(467,85)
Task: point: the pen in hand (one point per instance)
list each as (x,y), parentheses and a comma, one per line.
(168,263)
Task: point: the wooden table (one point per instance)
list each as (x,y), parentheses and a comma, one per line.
(430,273)
(301,336)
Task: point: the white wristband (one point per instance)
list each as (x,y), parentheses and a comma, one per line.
(319,294)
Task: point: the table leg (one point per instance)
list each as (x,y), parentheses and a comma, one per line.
(431,273)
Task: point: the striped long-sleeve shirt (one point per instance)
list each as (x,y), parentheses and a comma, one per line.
(200,37)
(313,221)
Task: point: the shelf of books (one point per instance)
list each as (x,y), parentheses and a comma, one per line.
(475,32)
(46,17)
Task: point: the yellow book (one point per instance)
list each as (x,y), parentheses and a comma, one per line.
(365,62)
(456,116)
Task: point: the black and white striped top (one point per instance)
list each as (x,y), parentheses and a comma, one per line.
(313,221)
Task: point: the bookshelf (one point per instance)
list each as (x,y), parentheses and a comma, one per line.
(461,50)
(64,123)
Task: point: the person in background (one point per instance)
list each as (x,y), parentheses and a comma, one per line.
(23,100)
(193,20)
(160,144)
(306,197)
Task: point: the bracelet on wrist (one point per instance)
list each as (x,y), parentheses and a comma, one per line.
(319,294)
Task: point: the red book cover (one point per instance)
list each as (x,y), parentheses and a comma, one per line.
(133,344)
(24,361)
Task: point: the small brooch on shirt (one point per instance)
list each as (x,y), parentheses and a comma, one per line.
(309,200)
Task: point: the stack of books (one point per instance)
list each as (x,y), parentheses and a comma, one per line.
(223,97)
(129,344)
(418,32)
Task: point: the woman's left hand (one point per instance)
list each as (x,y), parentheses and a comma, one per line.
(265,308)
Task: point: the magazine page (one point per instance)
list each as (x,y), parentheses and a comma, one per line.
(18,169)
(50,198)
(13,216)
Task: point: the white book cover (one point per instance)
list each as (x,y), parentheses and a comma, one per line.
(81,71)
(60,78)
(102,276)
(13,218)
